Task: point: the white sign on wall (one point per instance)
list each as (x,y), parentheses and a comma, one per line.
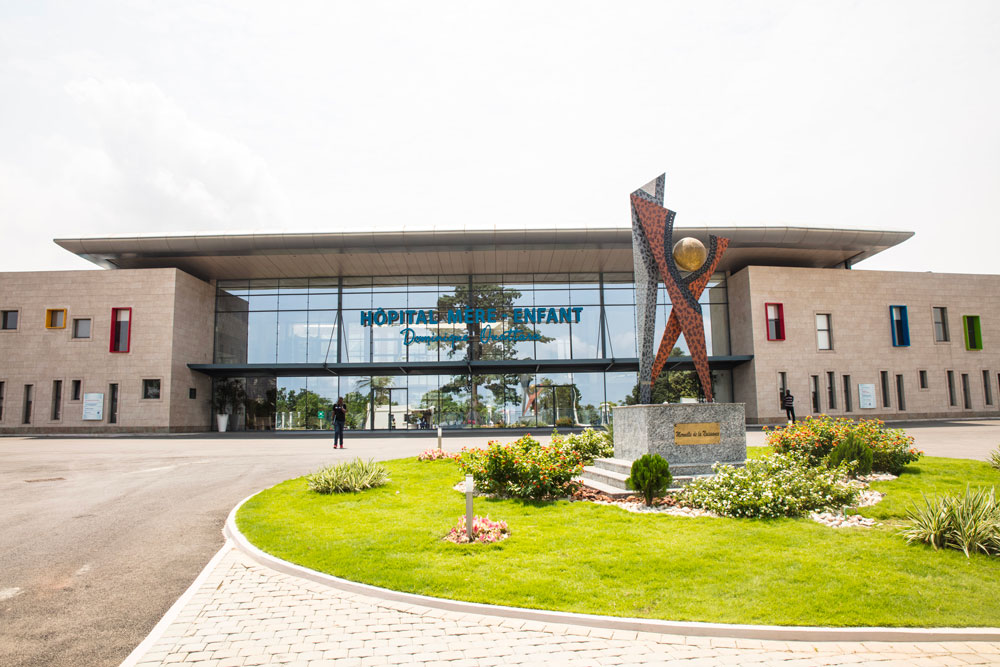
(93,407)
(866,396)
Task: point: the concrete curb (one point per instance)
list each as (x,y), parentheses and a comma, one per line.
(760,632)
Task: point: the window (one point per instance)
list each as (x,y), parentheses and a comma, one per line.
(775,321)
(973,335)
(922,376)
(121,329)
(900,326)
(831,391)
(56,400)
(782,388)
(81,328)
(8,320)
(815,393)
(951,388)
(55,318)
(29,391)
(848,404)
(884,376)
(966,392)
(151,389)
(3,386)
(192,393)
(941,325)
(824,332)
(76,390)
(987,390)
(900,396)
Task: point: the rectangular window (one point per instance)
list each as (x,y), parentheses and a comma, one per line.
(884,376)
(775,321)
(973,335)
(900,395)
(922,375)
(121,329)
(848,403)
(76,390)
(55,318)
(987,390)
(56,400)
(81,328)
(815,393)
(782,388)
(192,392)
(966,391)
(900,326)
(29,391)
(113,403)
(3,386)
(824,331)
(831,391)
(951,388)
(151,389)
(8,320)
(941,325)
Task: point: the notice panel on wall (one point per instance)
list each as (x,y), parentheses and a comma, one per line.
(866,396)
(93,407)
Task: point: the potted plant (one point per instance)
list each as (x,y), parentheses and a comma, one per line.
(227,396)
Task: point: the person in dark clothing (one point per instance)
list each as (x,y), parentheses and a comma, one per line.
(339,419)
(788,403)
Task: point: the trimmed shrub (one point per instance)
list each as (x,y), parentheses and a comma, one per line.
(771,486)
(854,452)
(650,476)
(356,475)
(969,523)
(589,444)
(523,468)
(816,438)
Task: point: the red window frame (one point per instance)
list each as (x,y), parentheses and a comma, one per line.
(781,321)
(114,321)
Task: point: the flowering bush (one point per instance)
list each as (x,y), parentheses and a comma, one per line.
(815,438)
(523,468)
(589,444)
(772,486)
(484,531)
(435,454)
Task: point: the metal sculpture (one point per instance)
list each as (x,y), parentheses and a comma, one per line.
(652,235)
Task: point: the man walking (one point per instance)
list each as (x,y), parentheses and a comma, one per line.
(339,419)
(788,403)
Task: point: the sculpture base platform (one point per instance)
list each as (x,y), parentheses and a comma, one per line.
(690,436)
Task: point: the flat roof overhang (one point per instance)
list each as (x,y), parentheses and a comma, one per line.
(463,252)
(511,367)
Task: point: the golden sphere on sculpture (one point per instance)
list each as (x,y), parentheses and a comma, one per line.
(690,253)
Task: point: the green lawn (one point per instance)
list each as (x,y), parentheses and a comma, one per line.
(595,559)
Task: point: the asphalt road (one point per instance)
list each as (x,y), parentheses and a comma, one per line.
(113,531)
(99,536)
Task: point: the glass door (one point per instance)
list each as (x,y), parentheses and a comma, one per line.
(399,410)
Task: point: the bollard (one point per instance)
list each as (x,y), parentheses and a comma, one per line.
(470,485)
(439,438)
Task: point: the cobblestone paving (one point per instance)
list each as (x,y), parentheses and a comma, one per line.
(245,614)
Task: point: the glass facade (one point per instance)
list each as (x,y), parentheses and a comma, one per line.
(420,323)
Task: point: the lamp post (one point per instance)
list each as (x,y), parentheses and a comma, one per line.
(470,486)
(439,438)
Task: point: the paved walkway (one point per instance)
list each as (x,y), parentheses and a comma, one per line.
(246,614)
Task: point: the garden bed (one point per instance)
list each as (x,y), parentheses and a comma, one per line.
(589,558)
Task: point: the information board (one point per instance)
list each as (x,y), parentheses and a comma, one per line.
(866,396)
(698,433)
(93,407)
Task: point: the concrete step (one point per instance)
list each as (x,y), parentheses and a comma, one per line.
(604,476)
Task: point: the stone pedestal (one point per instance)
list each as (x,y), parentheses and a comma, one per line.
(651,429)
(690,436)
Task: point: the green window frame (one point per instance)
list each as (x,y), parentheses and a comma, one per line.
(973,332)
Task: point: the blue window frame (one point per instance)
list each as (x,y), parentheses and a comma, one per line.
(900,326)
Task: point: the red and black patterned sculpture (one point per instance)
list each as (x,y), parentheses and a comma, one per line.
(656,258)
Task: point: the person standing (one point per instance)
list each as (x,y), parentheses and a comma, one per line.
(788,403)
(339,419)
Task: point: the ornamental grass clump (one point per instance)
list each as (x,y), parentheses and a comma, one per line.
(771,486)
(484,531)
(650,476)
(816,438)
(969,523)
(356,475)
(523,469)
(995,458)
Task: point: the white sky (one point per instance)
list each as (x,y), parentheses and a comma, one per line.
(170,117)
